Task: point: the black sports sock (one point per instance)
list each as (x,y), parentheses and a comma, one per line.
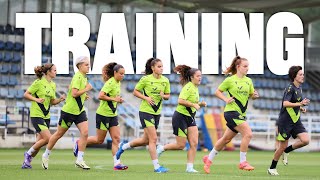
(273,164)
(288,149)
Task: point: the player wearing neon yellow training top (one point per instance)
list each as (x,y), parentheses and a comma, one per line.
(239,89)
(73,112)
(106,115)
(152,88)
(289,123)
(183,120)
(42,94)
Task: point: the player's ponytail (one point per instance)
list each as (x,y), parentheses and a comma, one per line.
(149,64)
(232,69)
(186,73)
(42,70)
(107,71)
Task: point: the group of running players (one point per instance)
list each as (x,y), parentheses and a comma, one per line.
(153,88)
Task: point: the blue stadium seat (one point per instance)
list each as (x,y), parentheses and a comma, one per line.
(206,92)
(120,110)
(136,77)
(4,92)
(174,100)
(16,58)
(13,81)
(91,81)
(133,55)
(20,31)
(8,29)
(174,89)
(215,102)
(11,93)
(20,94)
(20,104)
(44,60)
(130,122)
(257,83)
(1,45)
(4,119)
(7,57)
(3,80)
(204,80)
(18,46)
(92,51)
(167,111)
(129,77)
(93,37)
(44,48)
(54,120)
(49,50)
(130,87)
(9,46)
(13,69)
(209,102)
(1,29)
(4,69)
(99,84)
(167,102)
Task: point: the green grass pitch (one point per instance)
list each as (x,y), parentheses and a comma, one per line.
(302,165)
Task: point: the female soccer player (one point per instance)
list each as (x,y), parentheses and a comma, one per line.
(42,93)
(183,122)
(73,112)
(239,88)
(152,89)
(106,115)
(289,123)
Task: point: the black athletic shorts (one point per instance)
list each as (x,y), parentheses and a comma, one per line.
(180,124)
(105,123)
(40,124)
(234,119)
(148,120)
(288,129)
(66,119)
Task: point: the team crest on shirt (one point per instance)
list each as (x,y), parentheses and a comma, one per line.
(241,117)
(152,121)
(163,84)
(247,83)
(284,135)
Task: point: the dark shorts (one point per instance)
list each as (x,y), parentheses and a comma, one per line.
(234,119)
(286,130)
(66,119)
(180,124)
(148,120)
(105,123)
(40,124)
